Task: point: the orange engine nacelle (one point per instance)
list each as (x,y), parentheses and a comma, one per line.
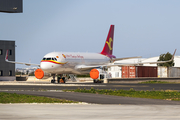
(39,74)
(94,73)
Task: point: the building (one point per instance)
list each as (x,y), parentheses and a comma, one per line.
(11,6)
(154,59)
(131,71)
(7,70)
(143,60)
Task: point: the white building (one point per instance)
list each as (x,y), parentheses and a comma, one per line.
(116,72)
(154,59)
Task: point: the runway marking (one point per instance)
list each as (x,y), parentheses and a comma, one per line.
(33,90)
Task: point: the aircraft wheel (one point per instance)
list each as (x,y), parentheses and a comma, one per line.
(64,80)
(52,81)
(58,80)
(95,81)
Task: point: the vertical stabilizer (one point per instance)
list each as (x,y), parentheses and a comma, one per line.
(108,47)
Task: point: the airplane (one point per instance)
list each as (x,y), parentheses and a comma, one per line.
(59,63)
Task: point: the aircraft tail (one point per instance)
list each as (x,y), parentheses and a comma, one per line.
(108,47)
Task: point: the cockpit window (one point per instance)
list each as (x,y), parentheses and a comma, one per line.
(50,59)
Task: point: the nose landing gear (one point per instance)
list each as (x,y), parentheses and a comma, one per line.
(53,80)
(98,81)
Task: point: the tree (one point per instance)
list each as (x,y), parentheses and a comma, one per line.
(165,57)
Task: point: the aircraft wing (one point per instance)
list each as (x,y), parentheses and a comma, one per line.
(28,64)
(116,59)
(85,67)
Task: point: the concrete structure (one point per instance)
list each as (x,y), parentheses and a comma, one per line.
(7,70)
(11,6)
(85,111)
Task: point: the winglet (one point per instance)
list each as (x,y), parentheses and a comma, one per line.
(6,57)
(173,54)
(165,61)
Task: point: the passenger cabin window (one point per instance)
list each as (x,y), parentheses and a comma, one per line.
(52,58)
(44,58)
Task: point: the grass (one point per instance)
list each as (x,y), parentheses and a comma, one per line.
(157,82)
(165,95)
(19,98)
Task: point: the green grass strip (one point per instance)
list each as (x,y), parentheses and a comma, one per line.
(165,95)
(157,82)
(20,98)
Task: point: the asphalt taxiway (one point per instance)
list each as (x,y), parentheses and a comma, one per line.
(97,98)
(30,85)
(55,90)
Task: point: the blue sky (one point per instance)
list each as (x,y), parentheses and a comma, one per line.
(144,28)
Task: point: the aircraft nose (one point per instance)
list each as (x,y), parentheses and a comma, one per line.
(44,66)
(47,66)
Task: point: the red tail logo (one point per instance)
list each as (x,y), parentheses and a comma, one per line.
(108,47)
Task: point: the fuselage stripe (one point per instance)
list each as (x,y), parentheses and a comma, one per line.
(52,61)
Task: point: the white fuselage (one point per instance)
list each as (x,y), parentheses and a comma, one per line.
(67,62)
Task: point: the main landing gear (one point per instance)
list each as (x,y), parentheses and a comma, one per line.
(98,81)
(60,79)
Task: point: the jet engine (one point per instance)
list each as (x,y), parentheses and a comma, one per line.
(40,74)
(97,75)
